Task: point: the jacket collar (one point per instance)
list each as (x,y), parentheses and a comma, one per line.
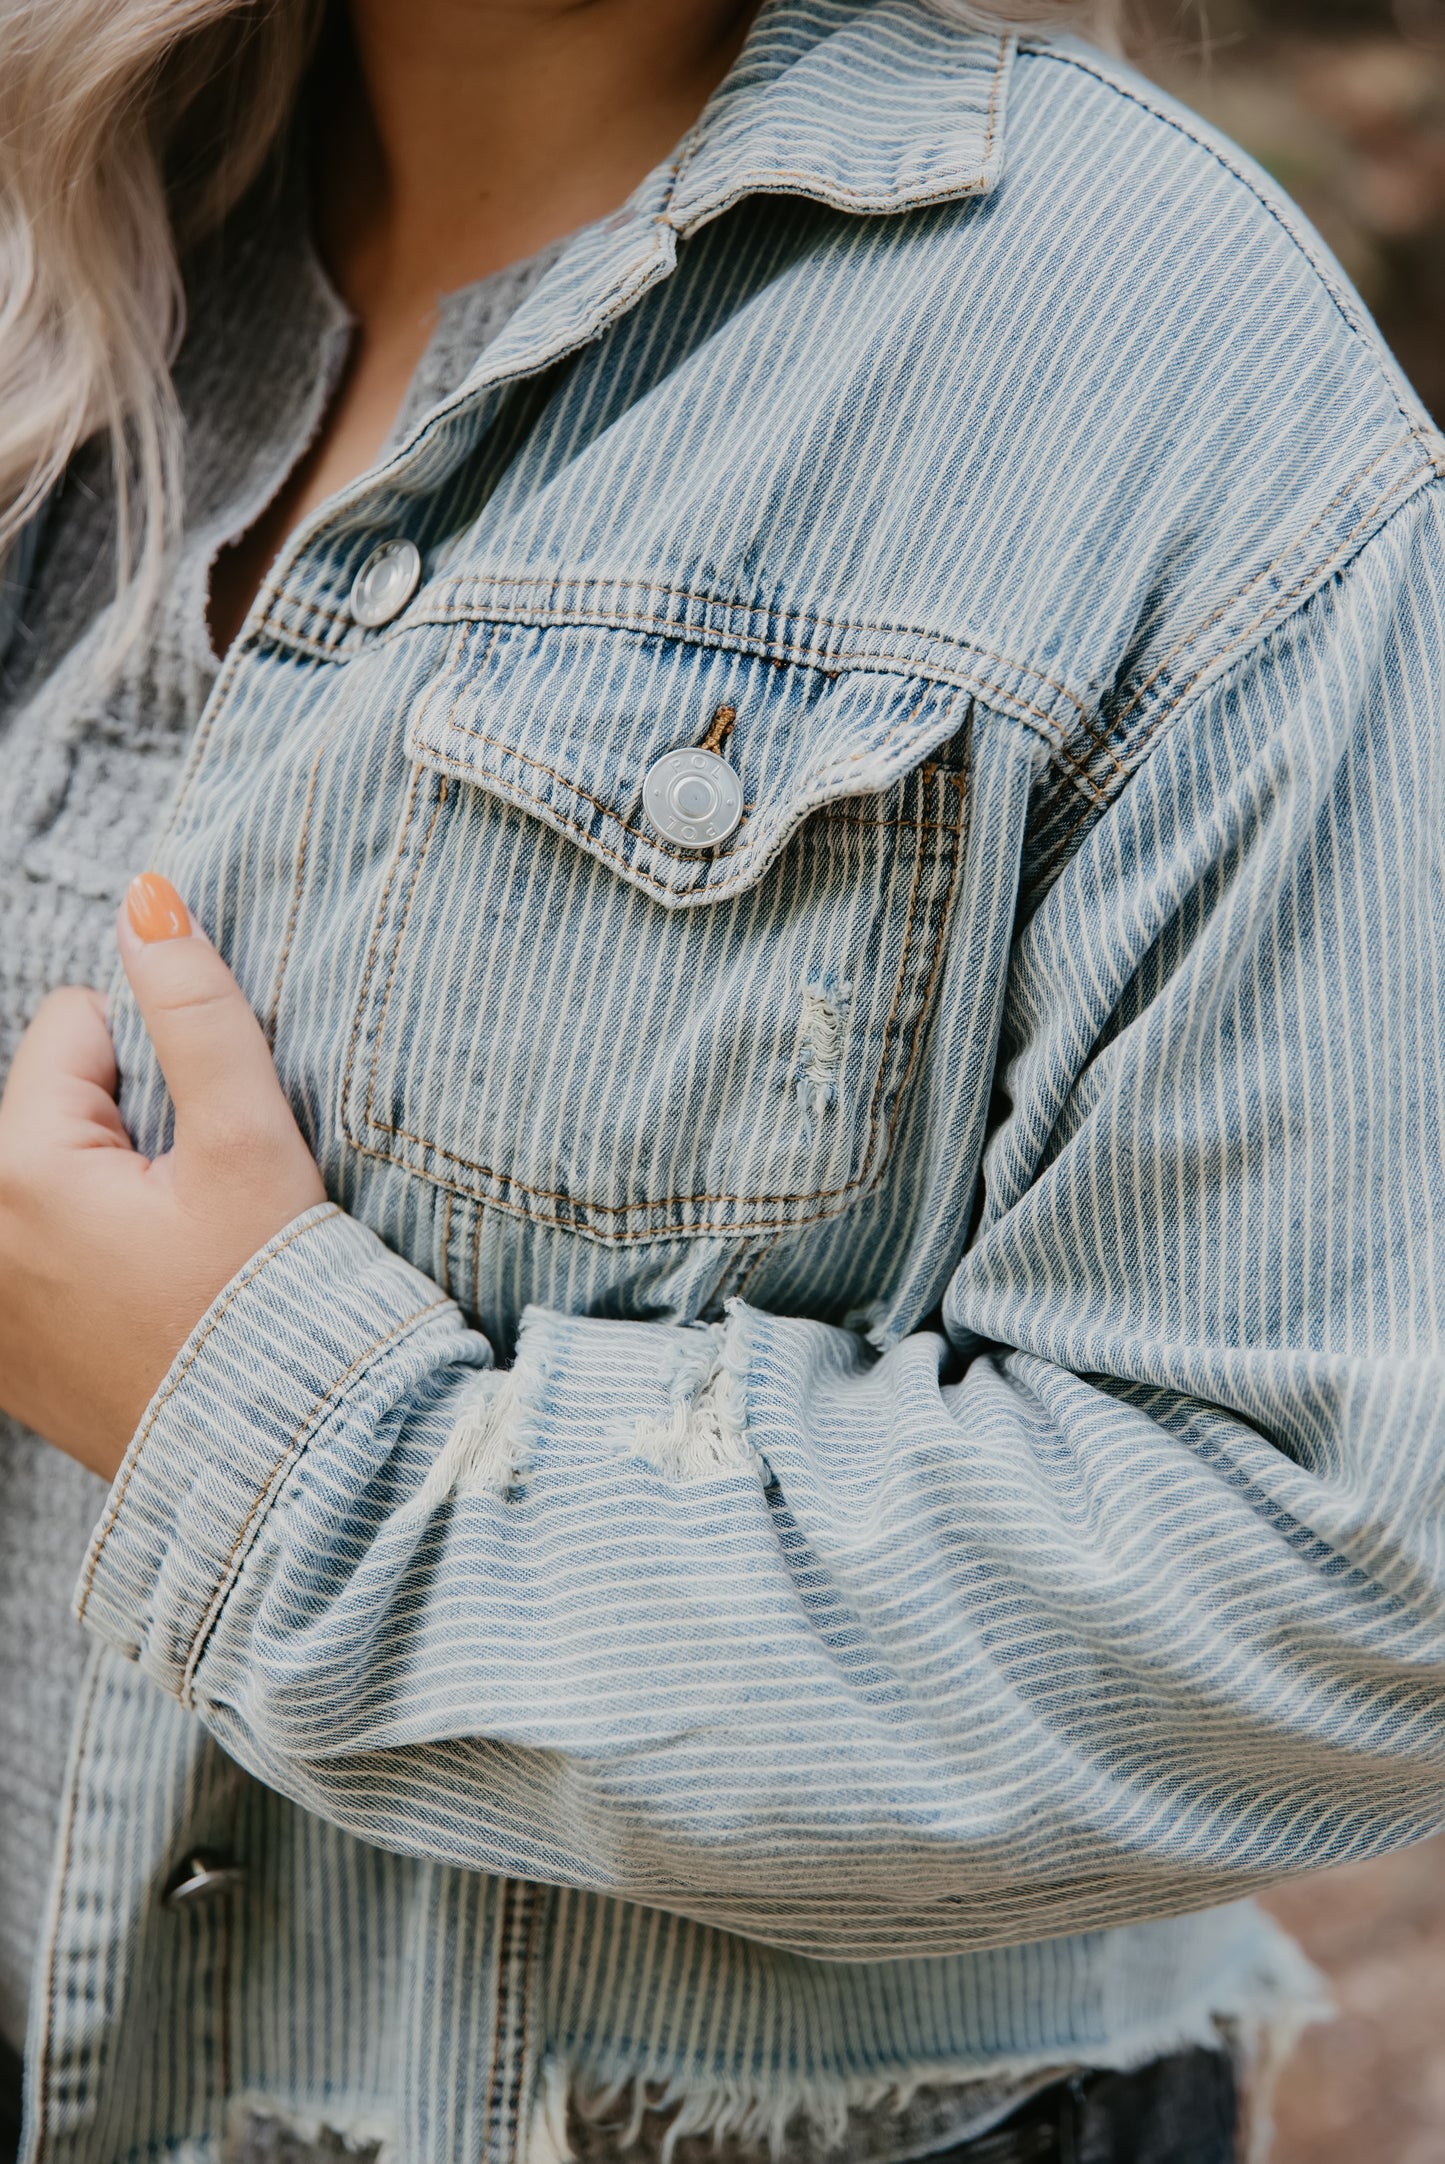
(873,106)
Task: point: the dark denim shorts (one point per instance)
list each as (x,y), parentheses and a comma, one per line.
(1180,2110)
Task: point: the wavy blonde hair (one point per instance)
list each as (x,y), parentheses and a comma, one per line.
(128,130)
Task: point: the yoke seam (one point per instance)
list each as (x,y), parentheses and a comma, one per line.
(1267,625)
(1383,509)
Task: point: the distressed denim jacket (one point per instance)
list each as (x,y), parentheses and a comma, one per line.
(857,1452)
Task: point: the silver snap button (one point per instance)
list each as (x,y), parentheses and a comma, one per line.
(385,583)
(693,798)
(202,1874)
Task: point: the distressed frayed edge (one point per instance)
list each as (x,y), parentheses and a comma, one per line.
(355,2130)
(720,2111)
(1267,2043)
(704,1432)
(821,1035)
(1271,2005)
(490,1448)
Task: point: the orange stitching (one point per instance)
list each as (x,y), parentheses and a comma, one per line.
(587,1210)
(1098,735)
(738,864)
(885,663)
(510,751)
(302,850)
(918,826)
(600,616)
(421,855)
(287,1458)
(253,1271)
(376,932)
(1259,578)
(609,811)
(42,2071)
(446,1273)
(836,194)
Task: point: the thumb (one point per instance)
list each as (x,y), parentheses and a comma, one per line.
(215,1060)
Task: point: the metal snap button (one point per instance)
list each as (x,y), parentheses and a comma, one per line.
(385,583)
(694,799)
(203,1873)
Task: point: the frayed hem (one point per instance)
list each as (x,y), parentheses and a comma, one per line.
(805,2117)
(1256,2015)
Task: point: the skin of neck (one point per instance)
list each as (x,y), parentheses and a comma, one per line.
(462,135)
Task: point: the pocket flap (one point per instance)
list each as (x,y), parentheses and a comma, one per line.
(565,721)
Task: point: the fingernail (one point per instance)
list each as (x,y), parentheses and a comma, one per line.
(155,909)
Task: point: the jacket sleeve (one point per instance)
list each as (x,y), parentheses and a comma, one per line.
(1122,1594)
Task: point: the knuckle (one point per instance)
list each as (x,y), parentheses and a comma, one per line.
(188,990)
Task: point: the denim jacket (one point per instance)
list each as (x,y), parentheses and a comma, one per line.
(862,1432)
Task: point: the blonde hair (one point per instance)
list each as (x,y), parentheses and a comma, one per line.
(128,130)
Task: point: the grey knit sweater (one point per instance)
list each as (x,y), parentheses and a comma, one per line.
(86,768)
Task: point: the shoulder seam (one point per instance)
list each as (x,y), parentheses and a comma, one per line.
(1270,624)
(1358,324)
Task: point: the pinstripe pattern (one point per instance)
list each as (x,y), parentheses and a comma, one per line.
(965,1495)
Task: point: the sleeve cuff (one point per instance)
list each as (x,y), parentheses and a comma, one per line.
(321,1313)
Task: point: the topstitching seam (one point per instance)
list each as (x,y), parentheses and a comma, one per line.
(1268,621)
(920,826)
(238,1286)
(737,863)
(267,1491)
(1272,210)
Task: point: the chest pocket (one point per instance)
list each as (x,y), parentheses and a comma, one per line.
(567,1017)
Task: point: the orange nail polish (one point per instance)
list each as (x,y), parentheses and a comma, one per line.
(155,909)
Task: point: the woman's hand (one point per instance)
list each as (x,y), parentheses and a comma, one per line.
(109,1259)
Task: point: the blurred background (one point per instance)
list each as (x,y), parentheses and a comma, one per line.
(1344,102)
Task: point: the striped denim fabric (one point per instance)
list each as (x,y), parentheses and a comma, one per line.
(863,1430)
